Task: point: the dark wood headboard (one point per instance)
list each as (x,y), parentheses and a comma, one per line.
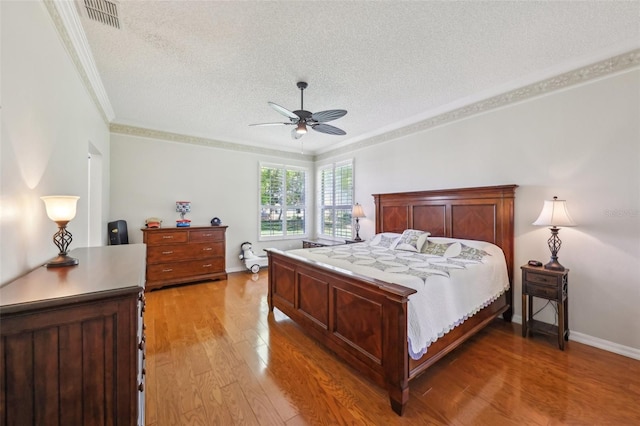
(483,213)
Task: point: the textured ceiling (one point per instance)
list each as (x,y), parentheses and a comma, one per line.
(208,68)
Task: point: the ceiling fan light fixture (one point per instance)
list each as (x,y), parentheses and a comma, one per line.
(302,118)
(301,129)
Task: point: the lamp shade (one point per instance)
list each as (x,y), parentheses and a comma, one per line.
(554,213)
(183,206)
(357,211)
(60,207)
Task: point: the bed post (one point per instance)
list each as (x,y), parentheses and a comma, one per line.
(270,278)
(396,367)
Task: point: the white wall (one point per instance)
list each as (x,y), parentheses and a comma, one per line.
(581,144)
(48,121)
(148,176)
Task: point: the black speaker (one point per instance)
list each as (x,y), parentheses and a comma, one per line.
(118,232)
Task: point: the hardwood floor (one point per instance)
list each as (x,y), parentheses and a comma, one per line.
(215,357)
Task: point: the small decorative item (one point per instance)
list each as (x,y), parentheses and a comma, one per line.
(216,221)
(357,213)
(153,222)
(61,209)
(252,261)
(554,213)
(183,207)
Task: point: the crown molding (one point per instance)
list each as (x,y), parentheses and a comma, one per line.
(616,64)
(67,22)
(211,143)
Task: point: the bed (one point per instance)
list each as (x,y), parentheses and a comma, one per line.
(363,320)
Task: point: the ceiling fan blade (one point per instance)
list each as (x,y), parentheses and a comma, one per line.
(270,124)
(324,116)
(283,111)
(296,135)
(328,129)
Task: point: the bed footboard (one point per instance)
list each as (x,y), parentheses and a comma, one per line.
(362,320)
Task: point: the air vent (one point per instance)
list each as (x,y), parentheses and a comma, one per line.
(103,11)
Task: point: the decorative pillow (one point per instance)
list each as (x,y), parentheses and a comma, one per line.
(470,253)
(385,239)
(435,249)
(411,240)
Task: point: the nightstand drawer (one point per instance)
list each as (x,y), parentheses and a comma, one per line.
(541,290)
(539,278)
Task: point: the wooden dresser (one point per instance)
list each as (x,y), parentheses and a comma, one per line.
(182,255)
(72,349)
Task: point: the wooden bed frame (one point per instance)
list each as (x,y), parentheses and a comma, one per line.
(363,320)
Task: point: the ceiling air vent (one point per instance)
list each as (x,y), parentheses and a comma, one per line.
(103,11)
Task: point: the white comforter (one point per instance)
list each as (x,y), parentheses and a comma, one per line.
(454,280)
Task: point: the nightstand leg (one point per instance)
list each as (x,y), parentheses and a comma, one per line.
(524,315)
(566,319)
(561,325)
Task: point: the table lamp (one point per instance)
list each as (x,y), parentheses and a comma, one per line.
(61,209)
(554,213)
(357,213)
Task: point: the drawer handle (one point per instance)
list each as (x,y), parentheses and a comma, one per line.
(207,249)
(167,252)
(167,236)
(167,270)
(208,265)
(207,235)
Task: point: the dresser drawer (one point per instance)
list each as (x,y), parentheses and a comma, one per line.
(169,237)
(206,235)
(178,252)
(544,291)
(177,270)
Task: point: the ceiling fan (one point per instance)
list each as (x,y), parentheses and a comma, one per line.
(303,119)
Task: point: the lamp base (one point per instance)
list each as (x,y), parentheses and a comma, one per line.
(62,260)
(554,265)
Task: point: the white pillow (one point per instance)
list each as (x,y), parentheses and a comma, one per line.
(411,240)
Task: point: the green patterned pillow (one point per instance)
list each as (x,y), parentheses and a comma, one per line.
(435,249)
(470,253)
(411,240)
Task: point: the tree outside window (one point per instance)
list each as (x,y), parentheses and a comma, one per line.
(282,202)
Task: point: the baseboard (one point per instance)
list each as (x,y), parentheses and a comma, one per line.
(596,342)
(605,345)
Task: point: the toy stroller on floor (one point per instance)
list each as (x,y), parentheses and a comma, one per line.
(252,261)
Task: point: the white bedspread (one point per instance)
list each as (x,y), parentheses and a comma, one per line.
(453,280)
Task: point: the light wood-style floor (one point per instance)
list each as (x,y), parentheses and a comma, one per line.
(215,356)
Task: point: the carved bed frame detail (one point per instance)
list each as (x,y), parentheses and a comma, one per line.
(363,320)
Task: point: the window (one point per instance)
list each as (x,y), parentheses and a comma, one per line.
(335,191)
(283,195)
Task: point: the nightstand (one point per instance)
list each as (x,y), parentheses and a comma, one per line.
(550,285)
(319,242)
